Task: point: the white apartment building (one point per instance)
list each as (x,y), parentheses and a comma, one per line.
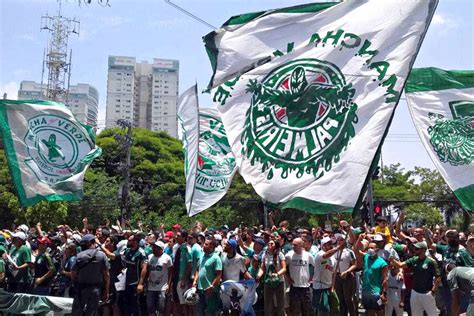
(146,94)
(83,99)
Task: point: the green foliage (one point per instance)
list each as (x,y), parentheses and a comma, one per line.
(157,186)
(423,214)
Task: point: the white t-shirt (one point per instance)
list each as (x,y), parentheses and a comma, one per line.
(231,268)
(267,259)
(298,267)
(323,271)
(347,257)
(158,272)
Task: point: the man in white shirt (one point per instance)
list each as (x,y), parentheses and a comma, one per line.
(160,266)
(345,282)
(323,275)
(298,262)
(233,264)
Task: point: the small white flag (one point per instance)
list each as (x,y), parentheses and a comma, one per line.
(209,162)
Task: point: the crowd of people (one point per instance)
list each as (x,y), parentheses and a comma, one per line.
(381,270)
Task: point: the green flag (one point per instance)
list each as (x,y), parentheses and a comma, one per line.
(47,150)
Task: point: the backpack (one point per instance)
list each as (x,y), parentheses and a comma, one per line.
(89,271)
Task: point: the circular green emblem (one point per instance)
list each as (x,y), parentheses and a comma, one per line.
(54,145)
(453,140)
(300,119)
(215,161)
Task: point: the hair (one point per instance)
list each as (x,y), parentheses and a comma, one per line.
(213,241)
(184,233)
(105,232)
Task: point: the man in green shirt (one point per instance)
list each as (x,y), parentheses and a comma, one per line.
(2,266)
(21,269)
(207,279)
(428,279)
(461,280)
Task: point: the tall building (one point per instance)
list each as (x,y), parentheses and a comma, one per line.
(146,94)
(83,100)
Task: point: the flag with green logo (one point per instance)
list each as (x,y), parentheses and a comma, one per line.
(47,150)
(441,104)
(307,94)
(209,162)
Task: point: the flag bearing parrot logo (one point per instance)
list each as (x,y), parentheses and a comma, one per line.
(215,160)
(54,145)
(301,118)
(453,139)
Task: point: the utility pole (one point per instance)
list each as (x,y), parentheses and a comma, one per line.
(126,142)
(370,201)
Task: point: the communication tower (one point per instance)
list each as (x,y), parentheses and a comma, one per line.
(56,59)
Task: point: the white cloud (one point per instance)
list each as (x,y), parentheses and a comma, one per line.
(445,22)
(11,89)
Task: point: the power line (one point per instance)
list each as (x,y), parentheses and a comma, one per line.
(190,14)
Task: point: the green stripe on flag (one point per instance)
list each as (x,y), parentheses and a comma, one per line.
(310,206)
(466,197)
(303,8)
(429,79)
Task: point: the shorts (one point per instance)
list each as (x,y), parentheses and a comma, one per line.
(372,301)
(178,292)
(155,301)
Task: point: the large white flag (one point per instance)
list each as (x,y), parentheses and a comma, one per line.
(48,151)
(441,104)
(209,162)
(307,94)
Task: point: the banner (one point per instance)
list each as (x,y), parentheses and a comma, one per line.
(48,151)
(209,162)
(307,94)
(441,105)
(239,295)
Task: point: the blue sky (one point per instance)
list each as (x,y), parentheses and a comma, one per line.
(150,29)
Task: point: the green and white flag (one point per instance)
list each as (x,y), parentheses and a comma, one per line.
(307,94)
(48,151)
(441,104)
(209,162)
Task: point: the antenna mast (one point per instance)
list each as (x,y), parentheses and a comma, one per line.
(56,57)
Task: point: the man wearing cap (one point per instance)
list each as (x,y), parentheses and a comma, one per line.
(21,266)
(44,268)
(428,279)
(453,254)
(233,264)
(324,264)
(345,282)
(375,277)
(298,262)
(385,251)
(134,259)
(91,276)
(160,270)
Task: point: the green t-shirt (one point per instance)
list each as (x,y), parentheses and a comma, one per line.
(148,250)
(372,280)
(2,266)
(424,270)
(21,256)
(196,254)
(461,257)
(208,266)
(462,278)
(184,259)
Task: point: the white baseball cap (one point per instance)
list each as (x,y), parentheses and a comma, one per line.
(20,235)
(325,240)
(160,244)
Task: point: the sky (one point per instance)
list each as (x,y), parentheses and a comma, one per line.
(148,29)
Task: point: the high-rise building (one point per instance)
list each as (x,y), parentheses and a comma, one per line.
(83,99)
(146,94)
